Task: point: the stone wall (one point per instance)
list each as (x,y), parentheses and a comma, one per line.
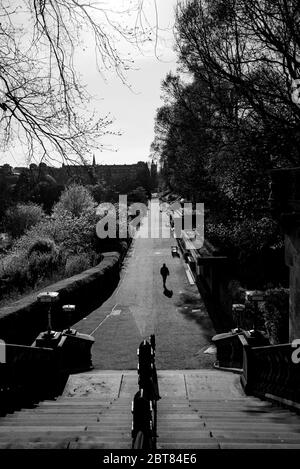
(285,205)
(22,321)
(292,258)
(212,278)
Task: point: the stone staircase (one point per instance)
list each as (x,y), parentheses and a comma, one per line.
(246,424)
(198,409)
(69,423)
(208,409)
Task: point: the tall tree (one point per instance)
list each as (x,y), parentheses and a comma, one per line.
(253,47)
(43,102)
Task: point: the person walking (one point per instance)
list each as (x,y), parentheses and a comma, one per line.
(164,272)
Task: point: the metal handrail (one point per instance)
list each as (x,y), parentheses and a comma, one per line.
(144,404)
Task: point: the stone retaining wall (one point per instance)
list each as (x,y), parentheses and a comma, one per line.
(212,279)
(21,321)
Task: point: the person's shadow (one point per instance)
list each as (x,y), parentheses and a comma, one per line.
(168,293)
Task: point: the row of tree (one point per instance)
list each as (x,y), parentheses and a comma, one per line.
(232,113)
(41,188)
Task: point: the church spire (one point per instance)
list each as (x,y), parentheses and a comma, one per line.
(94,160)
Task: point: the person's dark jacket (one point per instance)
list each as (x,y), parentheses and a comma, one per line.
(164,271)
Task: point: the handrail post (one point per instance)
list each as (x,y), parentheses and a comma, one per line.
(246,376)
(144,408)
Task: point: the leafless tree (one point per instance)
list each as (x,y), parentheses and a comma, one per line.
(44,106)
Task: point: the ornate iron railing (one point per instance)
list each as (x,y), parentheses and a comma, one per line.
(269,372)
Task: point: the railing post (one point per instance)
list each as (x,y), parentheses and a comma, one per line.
(144,404)
(246,376)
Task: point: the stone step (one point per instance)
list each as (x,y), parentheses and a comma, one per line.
(250,423)
(192,440)
(204,444)
(227,445)
(64,423)
(184,428)
(187,411)
(65,416)
(258,445)
(232,405)
(99,445)
(61,416)
(58,436)
(40,428)
(224,402)
(74,403)
(183,435)
(252,410)
(247,418)
(264,437)
(243,427)
(19,444)
(227,407)
(229,434)
(173,416)
(282,427)
(161,405)
(53,410)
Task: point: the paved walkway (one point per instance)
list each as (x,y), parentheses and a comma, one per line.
(140,307)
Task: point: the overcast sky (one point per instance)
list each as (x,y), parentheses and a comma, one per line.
(133,111)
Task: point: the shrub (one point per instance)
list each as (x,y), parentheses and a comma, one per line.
(276,315)
(138,195)
(62,244)
(255,249)
(271,315)
(76,264)
(14,268)
(22,217)
(43,246)
(246,237)
(76,200)
(71,235)
(41,266)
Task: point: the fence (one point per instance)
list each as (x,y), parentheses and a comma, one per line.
(269,372)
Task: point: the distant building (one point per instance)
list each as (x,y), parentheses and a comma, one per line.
(84,174)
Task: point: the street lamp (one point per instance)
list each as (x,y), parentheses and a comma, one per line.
(48,298)
(255,297)
(237,310)
(69,309)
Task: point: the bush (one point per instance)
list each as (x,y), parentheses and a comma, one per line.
(62,244)
(22,217)
(246,237)
(138,195)
(71,235)
(76,264)
(255,249)
(14,269)
(271,315)
(43,246)
(276,315)
(42,266)
(75,201)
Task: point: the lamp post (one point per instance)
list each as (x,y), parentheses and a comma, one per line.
(255,297)
(69,309)
(238,309)
(48,298)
